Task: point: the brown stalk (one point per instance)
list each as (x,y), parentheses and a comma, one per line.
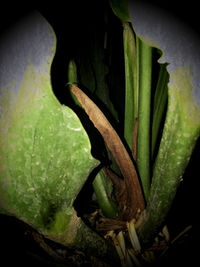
(135,200)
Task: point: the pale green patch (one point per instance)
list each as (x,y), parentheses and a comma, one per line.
(181,91)
(59,223)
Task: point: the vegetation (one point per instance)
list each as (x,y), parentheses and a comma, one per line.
(94,165)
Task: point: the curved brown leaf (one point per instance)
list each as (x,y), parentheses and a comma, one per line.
(135,200)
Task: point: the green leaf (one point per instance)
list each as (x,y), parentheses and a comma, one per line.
(72,72)
(181,131)
(120,8)
(144,114)
(73,78)
(180,51)
(45,151)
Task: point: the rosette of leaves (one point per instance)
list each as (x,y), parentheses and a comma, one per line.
(148,118)
(161,115)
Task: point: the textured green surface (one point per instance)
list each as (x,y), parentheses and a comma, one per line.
(181,130)
(45,155)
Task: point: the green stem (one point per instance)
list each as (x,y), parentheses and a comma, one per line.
(137,64)
(72,72)
(131,90)
(103,190)
(73,78)
(70,231)
(160,101)
(143,142)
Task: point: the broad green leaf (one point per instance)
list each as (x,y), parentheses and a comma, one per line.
(181,131)
(181,53)
(45,153)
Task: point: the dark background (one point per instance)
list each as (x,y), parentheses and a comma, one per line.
(188,11)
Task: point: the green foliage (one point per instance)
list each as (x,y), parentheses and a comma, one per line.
(160,180)
(40,153)
(181,131)
(149,105)
(45,152)
(120,8)
(144,115)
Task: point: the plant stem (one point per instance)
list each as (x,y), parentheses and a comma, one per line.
(131,90)
(77,235)
(103,190)
(73,78)
(143,142)
(160,101)
(181,130)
